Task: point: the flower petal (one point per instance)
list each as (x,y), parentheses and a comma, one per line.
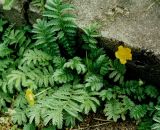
(123,61)
(123,54)
(30,97)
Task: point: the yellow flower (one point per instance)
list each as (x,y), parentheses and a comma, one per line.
(123,54)
(30,97)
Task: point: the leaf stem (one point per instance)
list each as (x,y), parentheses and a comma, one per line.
(41,92)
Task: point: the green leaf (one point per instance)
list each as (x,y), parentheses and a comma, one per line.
(127,103)
(156,126)
(8,4)
(29,127)
(34,114)
(2,22)
(117,71)
(62,76)
(70,121)
(145,124)
(107,94)
(90,103)
(4,64)
(19,117)
(151,91)
(113,110)
(138,112)
(45,38)
(36,57)
(15,80)
(76,64)
(20,101)
(49,128)
(95,83)
(102,64)
(63,23)
(4,98)
(133,87)
(59,62)
(5,51)
(156,119)
(55,117)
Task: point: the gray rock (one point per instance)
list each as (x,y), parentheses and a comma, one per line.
(15,15)
(135,22)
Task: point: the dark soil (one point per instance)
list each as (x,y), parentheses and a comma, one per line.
(99,122)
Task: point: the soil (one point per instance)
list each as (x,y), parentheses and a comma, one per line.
(99,122)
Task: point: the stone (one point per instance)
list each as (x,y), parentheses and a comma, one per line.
(15,15)
(135,22)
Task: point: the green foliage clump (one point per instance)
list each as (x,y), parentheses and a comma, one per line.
(66,85)
(156,119)
(62,23)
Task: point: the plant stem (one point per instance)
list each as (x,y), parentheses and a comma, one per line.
(42,92)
